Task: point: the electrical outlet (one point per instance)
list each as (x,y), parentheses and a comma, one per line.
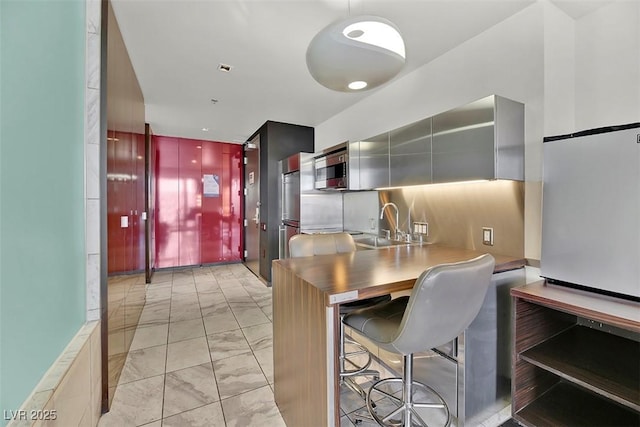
(421,228)
(487,236)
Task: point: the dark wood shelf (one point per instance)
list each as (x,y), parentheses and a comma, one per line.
(576,358)
(601,362)
(568,405)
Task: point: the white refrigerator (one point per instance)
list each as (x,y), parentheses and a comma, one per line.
(591,210)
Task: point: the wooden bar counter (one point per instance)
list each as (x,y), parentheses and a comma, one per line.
(306,297)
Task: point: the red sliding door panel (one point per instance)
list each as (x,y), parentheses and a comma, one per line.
(220,238)
(198,214)
(189,200)
(167,189)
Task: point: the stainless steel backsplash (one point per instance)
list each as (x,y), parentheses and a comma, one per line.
(456,213)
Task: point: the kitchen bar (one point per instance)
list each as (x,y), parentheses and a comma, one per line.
(306,293)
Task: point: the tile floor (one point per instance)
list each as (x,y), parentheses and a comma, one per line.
(202,355)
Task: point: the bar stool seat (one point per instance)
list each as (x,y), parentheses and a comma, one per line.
(336,243)
(442,304)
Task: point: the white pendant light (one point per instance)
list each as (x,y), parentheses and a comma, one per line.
(356,54)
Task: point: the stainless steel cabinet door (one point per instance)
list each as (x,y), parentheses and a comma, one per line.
(410,154)
(463,143)
(374,162)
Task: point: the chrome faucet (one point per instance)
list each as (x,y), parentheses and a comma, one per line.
(397,217)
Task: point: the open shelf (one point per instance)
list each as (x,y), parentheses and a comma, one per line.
(568,405)
(601,362)
(576,358)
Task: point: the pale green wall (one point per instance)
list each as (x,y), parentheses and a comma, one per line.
(42,219)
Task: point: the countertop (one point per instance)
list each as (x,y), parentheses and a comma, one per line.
(383,270)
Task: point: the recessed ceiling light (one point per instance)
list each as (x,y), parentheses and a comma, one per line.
(357,85)
(205,129)
(225,68)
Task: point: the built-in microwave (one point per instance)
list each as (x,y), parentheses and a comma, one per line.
(331,169)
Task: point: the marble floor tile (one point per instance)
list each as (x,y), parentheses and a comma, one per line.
(149,336)
(189,388)
(254,408)
(161,277)
(180,301)
(259,336)
(213,297)
(153,424)
(186,329)
(116,364)
(205,416)
(249,316)
(220,323)
(268,311)
(346,422)
(184,311)
(208,309)
(136,403)
(210,285)
(116,342)
(158,295)
(144,363)
(349,400)
(228,282)
(237,375)
(155,313)
(263,300)
(186,288)
(265,360)
(185,354)
(227,344)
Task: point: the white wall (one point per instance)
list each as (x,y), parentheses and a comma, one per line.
(608,66)
(571,75)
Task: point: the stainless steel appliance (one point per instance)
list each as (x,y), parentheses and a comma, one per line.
(290,200)
(304,209)
(331,168)
(591,210)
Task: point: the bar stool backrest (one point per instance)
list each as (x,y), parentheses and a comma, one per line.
(443,303)
(301,245)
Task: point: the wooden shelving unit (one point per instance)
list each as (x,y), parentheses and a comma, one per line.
(576,358)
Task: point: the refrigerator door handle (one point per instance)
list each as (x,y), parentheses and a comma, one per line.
(282,239)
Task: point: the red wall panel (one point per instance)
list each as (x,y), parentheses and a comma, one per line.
(167,187)
(189,201)
(221,230)
(192,227)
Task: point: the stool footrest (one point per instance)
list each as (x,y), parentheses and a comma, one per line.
(403,411)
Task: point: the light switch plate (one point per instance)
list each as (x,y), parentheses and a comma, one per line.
(487,236)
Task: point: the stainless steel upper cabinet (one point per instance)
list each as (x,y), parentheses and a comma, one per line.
(410,154)
(480,140)
(374,162)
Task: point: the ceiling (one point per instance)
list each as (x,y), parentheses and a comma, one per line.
(176,47)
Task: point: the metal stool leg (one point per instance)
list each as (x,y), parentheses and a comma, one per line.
(347,373)
(355,368)
(405,413)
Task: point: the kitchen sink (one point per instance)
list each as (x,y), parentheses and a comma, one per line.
(379,242)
